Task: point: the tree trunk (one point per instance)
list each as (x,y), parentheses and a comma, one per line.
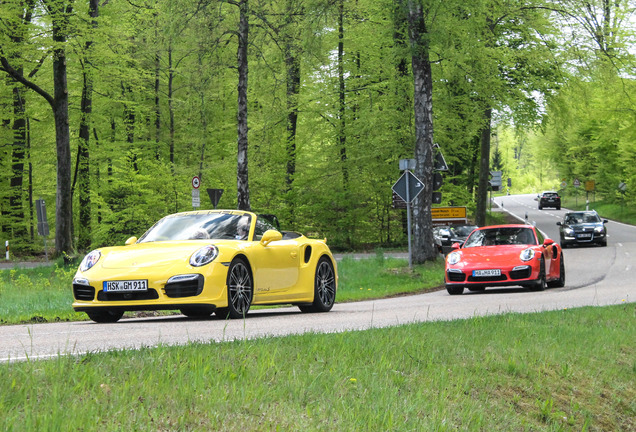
(16,209)
(484,170)
(423,248)
(83,151)
(242,181)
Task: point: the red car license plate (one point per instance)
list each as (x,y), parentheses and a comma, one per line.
(486,273)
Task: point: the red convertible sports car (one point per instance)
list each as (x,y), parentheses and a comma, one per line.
(504,255)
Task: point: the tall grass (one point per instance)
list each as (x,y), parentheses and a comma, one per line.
(565,370)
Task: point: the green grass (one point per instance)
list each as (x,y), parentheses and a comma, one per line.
(44,294)
(607,209)
(567,370)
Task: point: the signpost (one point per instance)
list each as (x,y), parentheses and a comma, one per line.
(408,187)
(43,224)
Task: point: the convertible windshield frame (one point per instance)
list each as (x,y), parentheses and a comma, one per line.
(200,226)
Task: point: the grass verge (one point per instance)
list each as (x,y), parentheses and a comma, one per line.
(43,294)
(564,370)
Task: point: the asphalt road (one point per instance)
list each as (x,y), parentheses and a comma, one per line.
(595,276)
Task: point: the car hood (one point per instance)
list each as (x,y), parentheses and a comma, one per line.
(152,254)
(492,255)
(584,226)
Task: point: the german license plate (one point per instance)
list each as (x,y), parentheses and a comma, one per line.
(482,273)
(584,235)
(126,285)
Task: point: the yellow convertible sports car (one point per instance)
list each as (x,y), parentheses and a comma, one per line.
(200,262)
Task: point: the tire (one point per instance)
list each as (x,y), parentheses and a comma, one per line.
(455,290)
(540,284)
(105,316)
(604,243)
(558,208)
(560,282)
(324,288)
(540,208)
(240,290)
(197,311)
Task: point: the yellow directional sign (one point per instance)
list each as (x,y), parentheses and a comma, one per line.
(448,212)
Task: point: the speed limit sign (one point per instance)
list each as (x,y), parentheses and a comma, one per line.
(196,182)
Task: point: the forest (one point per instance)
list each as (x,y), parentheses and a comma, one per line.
(303,109)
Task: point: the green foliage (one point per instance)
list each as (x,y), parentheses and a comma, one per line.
(164,109)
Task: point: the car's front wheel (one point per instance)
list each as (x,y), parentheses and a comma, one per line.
(560,282)
(105,316)
(240,290)
(541,283)
(324,288)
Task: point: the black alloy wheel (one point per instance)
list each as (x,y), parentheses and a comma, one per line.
(105,316)
(240,290)
(324,288)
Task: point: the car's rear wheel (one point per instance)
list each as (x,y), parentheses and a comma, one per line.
(454,290)
(240,290)
(324,288)
(540,284)
(197,311)
(560,282)
(105,316)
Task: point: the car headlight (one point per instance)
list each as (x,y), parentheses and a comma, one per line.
(454,258)
(90,260)
(569,231)
(526,254)
(204,256)
(598,230)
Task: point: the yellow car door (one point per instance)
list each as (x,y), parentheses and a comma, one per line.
(275,266)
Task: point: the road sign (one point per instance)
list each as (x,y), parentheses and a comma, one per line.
(415,186)
(43,224)
(448,212)
(407,164)
(196,198)
(196,182)
(563,184)
(438,180)
(398,203)
(215,195)
(439,163)
(576,183)
(590,185)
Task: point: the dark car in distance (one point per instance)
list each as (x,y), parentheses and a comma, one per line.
(549,199)
(445,236)
(582,227)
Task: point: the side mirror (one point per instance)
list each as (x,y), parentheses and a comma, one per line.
(270,236)
(605,221)
(455,246)
(131,240)
(559,224)
(547,242)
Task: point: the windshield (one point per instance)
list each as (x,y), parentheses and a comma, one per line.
(195,226)
(577,218)
(463,230)
(501,236)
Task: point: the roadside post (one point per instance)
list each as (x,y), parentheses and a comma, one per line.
(196,197)
(43,224)
(6,244)
(408,187)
